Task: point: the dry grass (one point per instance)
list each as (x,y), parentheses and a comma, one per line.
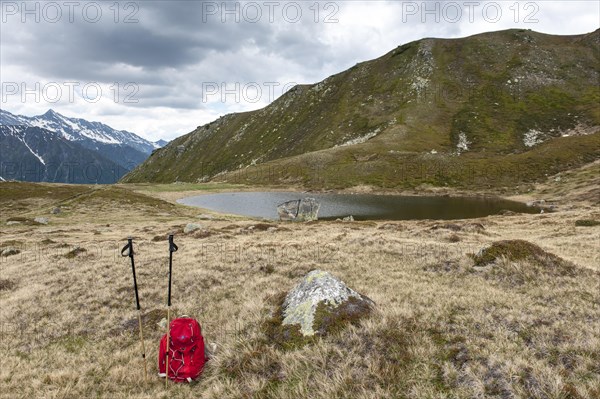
(444,328)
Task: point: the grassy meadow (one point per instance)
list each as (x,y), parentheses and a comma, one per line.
(447,325)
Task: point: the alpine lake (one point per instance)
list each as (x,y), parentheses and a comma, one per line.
(360,206)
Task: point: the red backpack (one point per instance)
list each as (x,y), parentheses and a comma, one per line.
(186,358)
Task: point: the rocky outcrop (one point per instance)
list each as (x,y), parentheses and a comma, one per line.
(302,210)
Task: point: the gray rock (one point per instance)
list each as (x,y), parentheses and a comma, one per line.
(41,220)
(10,251)
(205,216)
(56,211)
(191,227)
(482,251)
(321,288)
(348,219)
(302,210)
(12,222)
(536,203)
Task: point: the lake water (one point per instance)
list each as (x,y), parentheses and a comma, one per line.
(361,206)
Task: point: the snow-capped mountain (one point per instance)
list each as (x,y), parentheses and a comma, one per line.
(122,147)
(30,153)
(160,143)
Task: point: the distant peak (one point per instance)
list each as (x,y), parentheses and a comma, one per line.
(51,113)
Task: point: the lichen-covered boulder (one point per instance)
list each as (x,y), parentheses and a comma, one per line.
(302,210)
(321,303)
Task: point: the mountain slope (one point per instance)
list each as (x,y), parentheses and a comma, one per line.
(35,154)
(122,147)
(471,101)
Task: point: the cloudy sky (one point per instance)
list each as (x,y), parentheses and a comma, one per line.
(161,68)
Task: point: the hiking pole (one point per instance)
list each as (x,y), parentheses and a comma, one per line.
(129,247)
(172,248)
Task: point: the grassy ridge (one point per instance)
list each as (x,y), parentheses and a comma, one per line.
(353,166)
(489,90)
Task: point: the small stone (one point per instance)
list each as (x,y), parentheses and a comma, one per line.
(41,220)
(211,350)
(205,216)
(12,222)
(56,211)
(191,227)
(348,219)
(536,203)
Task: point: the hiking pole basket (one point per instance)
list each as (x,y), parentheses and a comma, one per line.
(172,248)
(129,248)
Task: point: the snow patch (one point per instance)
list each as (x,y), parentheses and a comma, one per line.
(102,138)
(33,152)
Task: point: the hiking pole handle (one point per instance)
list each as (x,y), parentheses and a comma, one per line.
(130,254)
(172,246)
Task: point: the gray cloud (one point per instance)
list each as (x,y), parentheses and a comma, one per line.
(176,47)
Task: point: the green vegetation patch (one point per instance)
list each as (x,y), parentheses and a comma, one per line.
(161,188)
(150,319)
(75,252)
(72,343)
(286,337)
(527,262)
(514,250)
(14,191)
(7,285)
(587,223)
(332,320)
